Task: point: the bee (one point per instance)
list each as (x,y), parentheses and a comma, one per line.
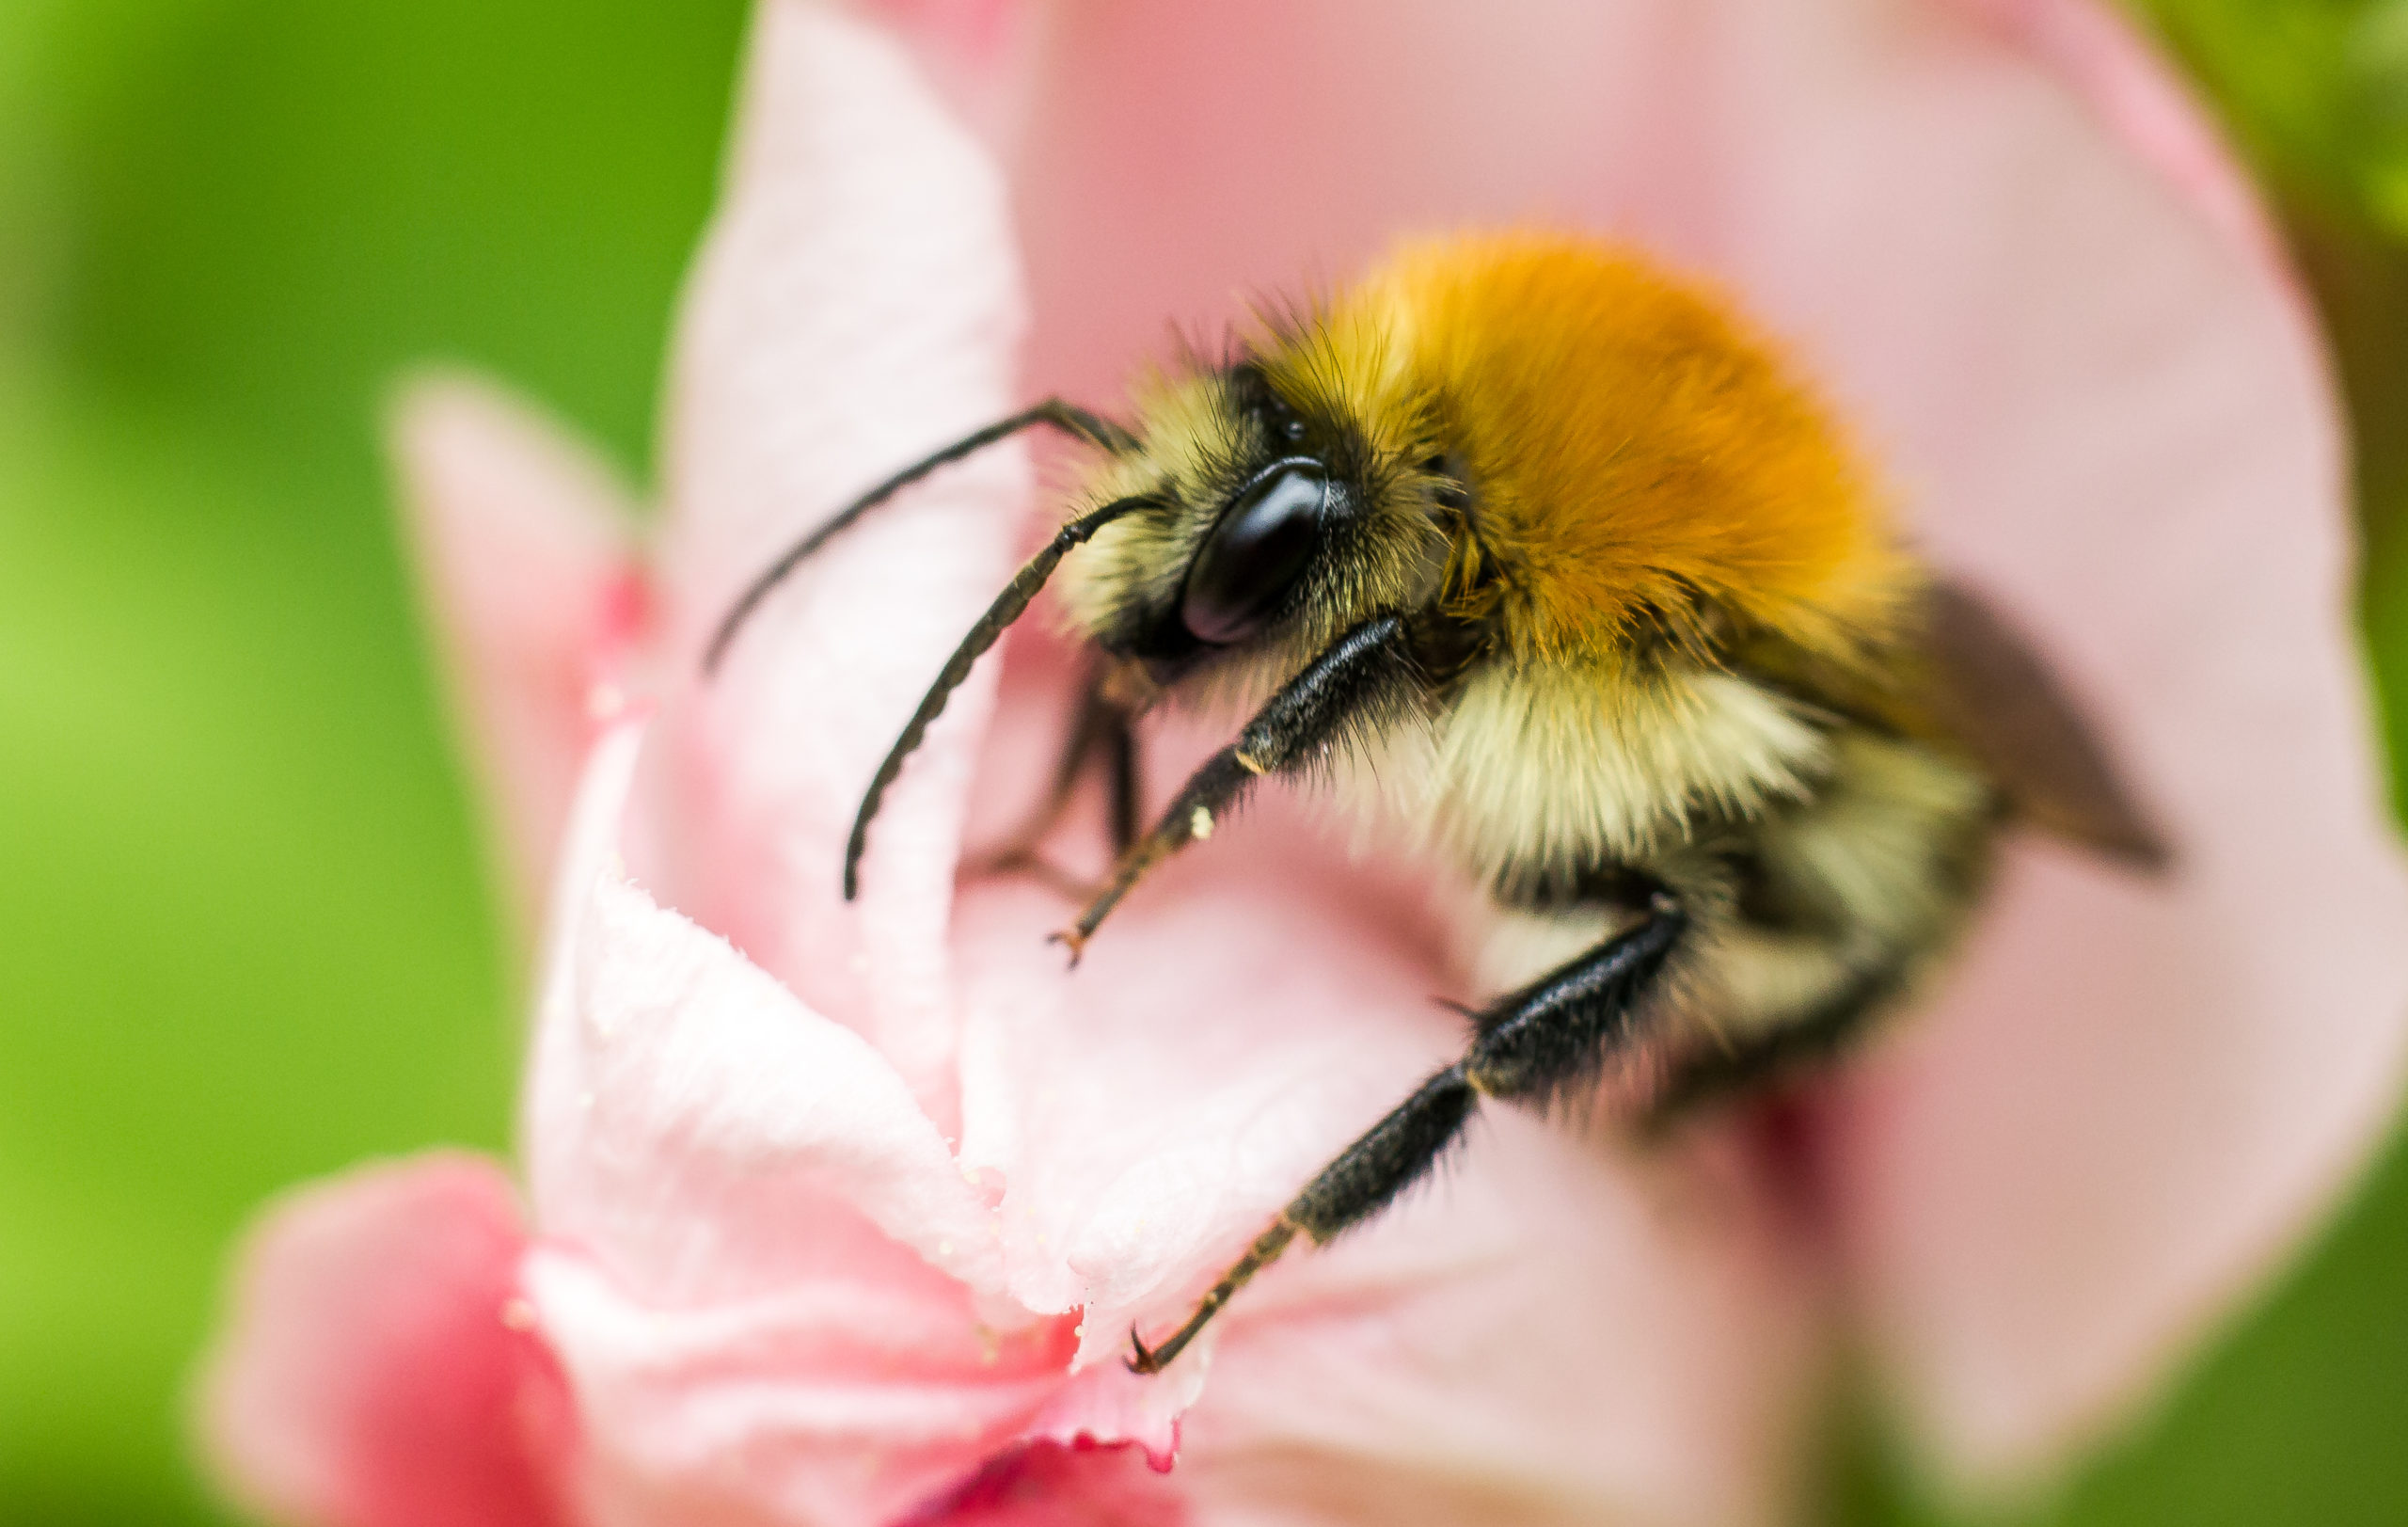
(1543,557)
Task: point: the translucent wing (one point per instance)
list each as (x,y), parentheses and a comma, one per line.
(1994,695)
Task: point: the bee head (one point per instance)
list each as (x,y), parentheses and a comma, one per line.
(1275,506)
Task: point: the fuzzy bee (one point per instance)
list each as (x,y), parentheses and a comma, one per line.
(1541,561)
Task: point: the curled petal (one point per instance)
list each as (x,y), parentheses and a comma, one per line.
(707,1135)
(857,305)
(773,1292)
(369,1373)
(852,1396)
(693,1125)
(525,550)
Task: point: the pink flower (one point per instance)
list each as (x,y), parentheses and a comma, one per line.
(842,1214)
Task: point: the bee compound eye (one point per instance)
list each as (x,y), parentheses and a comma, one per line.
(1255,553)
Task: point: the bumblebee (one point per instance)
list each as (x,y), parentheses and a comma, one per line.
(1527,551)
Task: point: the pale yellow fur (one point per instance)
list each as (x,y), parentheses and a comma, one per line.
(1563,766)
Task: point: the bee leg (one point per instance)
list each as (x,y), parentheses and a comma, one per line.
(1527,1046)
(1117,738)
(1101,730)
(1365,670)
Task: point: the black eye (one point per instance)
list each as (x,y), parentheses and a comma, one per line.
(1263,542)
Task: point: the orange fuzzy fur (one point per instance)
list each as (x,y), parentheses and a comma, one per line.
(1630,445)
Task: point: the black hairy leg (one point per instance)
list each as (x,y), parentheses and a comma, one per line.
(1068,418)
(1366,668)
(1101,733)
(1528,1046)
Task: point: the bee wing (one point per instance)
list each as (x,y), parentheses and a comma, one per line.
(1999,700)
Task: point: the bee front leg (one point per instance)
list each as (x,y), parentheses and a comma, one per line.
(1527,1046)
(1364,670)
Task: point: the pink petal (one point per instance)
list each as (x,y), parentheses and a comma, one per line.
(773,1292)
(973,28)
(1546,1334)
(1549,1336)
(1151,1110)
(2134,1099)
(692,1124)
(2094,50)
(707,1136)
(2010,247)
(857,305)
(777,1299)
(833,1400)
(1058,1484)
(974,51)
(524,545)
(368,1376)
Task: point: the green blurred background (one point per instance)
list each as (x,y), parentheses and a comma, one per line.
(245,935)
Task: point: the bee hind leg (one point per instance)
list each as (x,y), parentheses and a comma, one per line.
(1527,1046)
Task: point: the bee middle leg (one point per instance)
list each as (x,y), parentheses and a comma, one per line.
(1527,1047)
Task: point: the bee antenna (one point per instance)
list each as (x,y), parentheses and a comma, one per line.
(1008,608)
(1091,427)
